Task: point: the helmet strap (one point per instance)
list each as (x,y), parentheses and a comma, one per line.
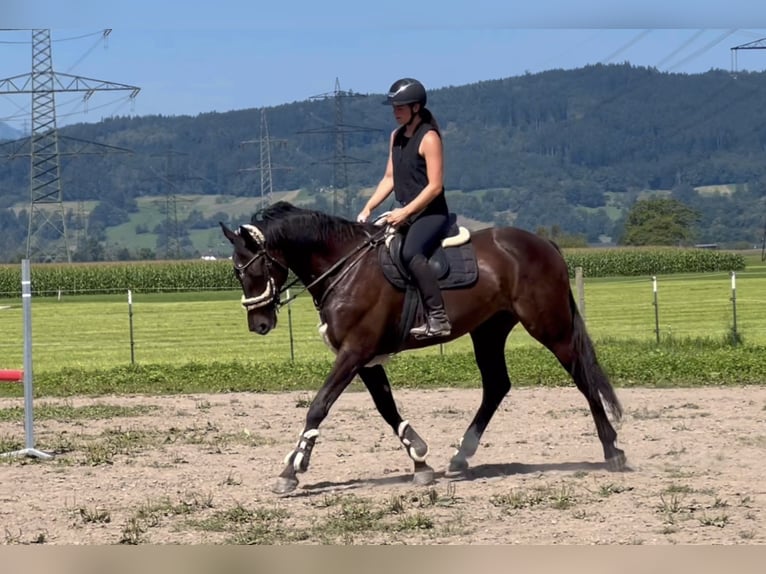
(413,115)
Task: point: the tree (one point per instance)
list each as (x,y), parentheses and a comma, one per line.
(659,221)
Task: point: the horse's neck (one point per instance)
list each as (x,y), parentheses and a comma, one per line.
(310,264)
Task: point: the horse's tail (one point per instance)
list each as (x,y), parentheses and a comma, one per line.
(585,366)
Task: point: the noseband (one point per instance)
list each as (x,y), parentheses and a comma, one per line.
(271,294)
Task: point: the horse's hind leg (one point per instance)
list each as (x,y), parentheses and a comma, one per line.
(577,355)
(376,381)
(489,349)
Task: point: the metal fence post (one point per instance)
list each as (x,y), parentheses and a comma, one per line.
(735,337)
(656,309)
(29,432)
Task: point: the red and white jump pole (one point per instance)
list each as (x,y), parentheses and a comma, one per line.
(11,376)
(26,375)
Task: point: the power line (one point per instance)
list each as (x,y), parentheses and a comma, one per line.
(678,50)
(717,40)
(637,38)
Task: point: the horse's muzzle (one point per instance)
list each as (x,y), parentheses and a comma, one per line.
(260,327)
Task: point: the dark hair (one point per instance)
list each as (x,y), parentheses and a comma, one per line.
(427,117)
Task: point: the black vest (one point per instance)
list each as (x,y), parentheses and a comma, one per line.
(410,175)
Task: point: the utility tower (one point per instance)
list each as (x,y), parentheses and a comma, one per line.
(340,159)
(755,45)
(47,231)
(265,168)
(175,171)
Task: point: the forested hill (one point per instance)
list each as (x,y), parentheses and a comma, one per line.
(572,148)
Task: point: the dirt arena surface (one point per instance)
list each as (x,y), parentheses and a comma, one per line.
(198,469)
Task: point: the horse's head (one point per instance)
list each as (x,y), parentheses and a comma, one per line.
(259,273)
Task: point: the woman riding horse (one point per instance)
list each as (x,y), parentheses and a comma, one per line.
(415,173)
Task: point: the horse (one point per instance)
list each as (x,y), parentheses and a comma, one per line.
(521,278)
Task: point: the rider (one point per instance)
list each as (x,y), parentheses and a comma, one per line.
(415,172)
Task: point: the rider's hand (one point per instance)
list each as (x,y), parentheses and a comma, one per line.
(363,216)
(397,217)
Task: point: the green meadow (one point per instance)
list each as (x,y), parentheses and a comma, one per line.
(94,331)
(186,341)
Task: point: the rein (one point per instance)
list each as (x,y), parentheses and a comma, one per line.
(360,251)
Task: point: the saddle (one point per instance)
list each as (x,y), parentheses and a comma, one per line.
(453,262)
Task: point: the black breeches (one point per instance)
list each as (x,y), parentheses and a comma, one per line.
(423,236)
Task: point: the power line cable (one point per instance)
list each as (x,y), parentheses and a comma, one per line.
(102,39)
(640,36)
(680,48)
(703,49)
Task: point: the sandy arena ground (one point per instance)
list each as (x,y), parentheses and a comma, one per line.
(199,469)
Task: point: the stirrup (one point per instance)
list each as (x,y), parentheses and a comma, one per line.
(425,331)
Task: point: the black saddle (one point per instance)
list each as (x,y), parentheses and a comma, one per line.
(455,267)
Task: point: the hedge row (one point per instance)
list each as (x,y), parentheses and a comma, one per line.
(48,279)
(94,278)
(636,261)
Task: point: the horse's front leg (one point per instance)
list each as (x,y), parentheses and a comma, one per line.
(376,381)
(297,460)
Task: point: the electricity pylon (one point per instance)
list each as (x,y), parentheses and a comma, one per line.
(754,45)
(47,233)
(174,174)
(265,168)
(340,159)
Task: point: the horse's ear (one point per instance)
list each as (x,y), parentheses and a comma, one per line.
(230,235)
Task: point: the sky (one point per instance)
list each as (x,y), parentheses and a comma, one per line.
(200,56)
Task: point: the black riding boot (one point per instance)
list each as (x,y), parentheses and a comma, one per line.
(437,323)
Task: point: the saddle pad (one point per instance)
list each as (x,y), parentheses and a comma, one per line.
(463,270)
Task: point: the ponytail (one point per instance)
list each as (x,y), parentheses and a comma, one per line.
(427,117)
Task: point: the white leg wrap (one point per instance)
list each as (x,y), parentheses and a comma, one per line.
(407,443)
(300,446)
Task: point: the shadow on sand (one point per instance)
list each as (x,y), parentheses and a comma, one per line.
(479,472)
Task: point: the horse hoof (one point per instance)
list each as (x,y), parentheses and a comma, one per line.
(457,468)
(617,463)
(284,485)
(423,477)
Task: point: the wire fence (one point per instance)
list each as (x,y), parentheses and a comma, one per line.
(102,331)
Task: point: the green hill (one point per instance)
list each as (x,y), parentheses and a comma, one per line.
(567,148)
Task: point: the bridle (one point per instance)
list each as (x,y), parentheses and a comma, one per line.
(271,295)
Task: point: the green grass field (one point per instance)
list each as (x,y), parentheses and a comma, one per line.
(175,329)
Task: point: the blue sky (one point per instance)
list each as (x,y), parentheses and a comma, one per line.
(197,57)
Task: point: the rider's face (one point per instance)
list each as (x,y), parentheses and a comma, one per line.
(403,113)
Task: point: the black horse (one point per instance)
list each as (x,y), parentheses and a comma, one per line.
(522,278)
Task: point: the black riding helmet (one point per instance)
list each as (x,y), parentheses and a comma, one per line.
(406,91)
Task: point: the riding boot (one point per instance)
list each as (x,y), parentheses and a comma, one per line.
(437,323)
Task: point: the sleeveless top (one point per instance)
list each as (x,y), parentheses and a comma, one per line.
(410,175)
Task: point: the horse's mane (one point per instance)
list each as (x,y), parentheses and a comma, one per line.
(283,223)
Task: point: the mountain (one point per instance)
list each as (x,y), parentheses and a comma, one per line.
(8,133)
(571,149)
